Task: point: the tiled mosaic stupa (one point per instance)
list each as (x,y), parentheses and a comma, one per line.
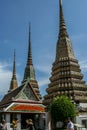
(66,77)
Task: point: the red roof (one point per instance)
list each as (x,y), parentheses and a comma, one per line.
(26,107)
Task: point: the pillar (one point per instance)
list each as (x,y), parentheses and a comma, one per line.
(41,121)
(19,121)
(7,118)
(48,121)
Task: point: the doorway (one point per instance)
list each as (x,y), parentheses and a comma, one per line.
(24,117)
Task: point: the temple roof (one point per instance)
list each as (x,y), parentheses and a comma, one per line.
(25,108)
(24,93)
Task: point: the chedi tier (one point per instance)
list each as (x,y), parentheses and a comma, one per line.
(66,77)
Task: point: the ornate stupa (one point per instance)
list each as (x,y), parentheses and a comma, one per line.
(13,83)
(66,77)
(29,69)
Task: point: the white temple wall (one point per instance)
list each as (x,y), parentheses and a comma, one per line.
(82,120)
(7,118)
(84,105)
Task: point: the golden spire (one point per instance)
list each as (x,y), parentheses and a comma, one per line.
(14,83)
(62,26)
(29,60)
(29,69)
(60,2)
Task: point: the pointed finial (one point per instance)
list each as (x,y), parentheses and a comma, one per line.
(29,60)
(14,66)
(13,83)
(29,32)
(60,1)
(29,69)
(62,26)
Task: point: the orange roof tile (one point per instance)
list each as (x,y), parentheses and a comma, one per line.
(22,107)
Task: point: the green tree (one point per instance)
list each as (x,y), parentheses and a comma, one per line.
(62,108)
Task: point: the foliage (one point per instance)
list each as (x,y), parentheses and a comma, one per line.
(62,108)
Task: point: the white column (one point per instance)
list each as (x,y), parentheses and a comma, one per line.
(8,120)
(19,121)
(48,121)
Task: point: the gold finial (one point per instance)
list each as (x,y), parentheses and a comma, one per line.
(60,2)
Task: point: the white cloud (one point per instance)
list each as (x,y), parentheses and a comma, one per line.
(5,75)
(83,65)
(80,49)
(43,82)
(45,63)
(45,69)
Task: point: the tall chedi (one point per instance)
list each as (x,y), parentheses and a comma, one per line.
(66,77)
(29,69)
(13,84)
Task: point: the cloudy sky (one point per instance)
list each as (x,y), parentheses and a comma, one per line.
(15,16)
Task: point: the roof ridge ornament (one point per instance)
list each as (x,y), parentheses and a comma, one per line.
(13,83)
(62,25)
(29,60)
(60,1)
(14,66)
(29,69)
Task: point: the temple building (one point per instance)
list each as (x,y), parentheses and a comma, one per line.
(66,76)
(23,102)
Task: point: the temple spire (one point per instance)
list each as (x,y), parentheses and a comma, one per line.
(29,69)
(14,66)
(14,83)
(62,25)
(29,73)
(66,77)
(60,2)
(29,59)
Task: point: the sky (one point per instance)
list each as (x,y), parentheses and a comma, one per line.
(43,15)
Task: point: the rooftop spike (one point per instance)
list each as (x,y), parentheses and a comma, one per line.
(60,2)
(29,73)
(14,83)
(29,60)
(29,69)
(14,66)
(62,26)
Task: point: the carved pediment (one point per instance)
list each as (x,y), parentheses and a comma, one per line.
(29,93)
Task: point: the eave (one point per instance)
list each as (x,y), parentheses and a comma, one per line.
(24,108)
